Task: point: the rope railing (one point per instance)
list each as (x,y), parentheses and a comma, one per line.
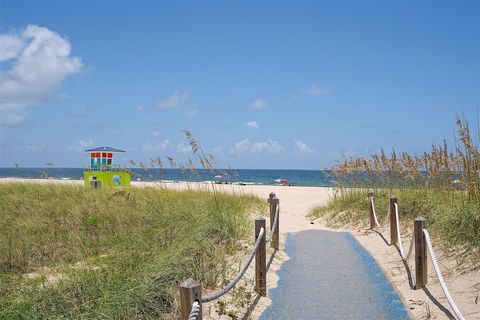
(232,283)
(440,276)
(374,213)
(190,291)
(191,298)
(400,246)
(421,242)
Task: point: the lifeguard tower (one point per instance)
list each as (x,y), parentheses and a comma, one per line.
(102,172)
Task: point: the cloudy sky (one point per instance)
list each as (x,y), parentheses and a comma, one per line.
(259,84)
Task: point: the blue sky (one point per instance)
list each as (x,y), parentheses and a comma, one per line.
(259,84)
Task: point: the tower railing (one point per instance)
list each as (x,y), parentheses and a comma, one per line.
(105,168)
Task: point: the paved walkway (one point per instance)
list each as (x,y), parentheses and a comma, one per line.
(331,276)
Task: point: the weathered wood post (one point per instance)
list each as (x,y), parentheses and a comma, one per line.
(372,217)
(276,234)
(271,198)
(421,274)
(190,291)
(274,201)
(393,222)
(260,259)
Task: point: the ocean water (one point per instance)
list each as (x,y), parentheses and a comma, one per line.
(247,176)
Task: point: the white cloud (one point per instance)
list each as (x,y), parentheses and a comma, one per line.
(81,145)
(184,147)
(241,147)
(10,46)
(301,147)
(36,61)
(174,100)
(246,147)
(218,150)
(252,125)
(191,113)
(156,146)
(218,154)
(28,148)
(140,108)
(156,133)
(259,104)
(85,144)
(11,118)
(315,90)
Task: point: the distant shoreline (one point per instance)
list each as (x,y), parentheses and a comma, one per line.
(312,178)
(147,183)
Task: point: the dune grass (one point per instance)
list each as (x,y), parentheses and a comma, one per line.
(442,185)
(72,252)
(454,222)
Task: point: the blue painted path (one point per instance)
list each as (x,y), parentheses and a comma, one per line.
(331,276)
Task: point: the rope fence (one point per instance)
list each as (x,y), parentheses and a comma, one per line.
(231,284)
(400,245)
(191,298)
(440,276)
(421,242)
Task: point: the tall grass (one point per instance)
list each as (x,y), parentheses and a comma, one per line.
(442,185)
(198,160)
(72,252)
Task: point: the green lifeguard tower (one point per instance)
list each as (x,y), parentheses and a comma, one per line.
(102,172)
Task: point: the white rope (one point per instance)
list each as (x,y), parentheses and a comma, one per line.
(232,283)
(195,311)
(387,217)
(410,252)
(374,212)
(399,245)
(440,276)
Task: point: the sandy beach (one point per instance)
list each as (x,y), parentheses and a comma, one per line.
(296,202)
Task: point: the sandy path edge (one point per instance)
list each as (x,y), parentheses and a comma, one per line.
(296,202)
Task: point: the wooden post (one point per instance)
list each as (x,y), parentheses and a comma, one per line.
(274,201)
(393,222)
(421,275)
(372,218)
(260,259)
(276,235)
(189,292)
(273,207)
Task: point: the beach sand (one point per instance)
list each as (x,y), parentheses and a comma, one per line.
(295,203)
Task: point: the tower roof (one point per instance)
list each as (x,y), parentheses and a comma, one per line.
(108,149)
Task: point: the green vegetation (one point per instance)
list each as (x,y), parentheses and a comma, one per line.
(72,252)
(443,186)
